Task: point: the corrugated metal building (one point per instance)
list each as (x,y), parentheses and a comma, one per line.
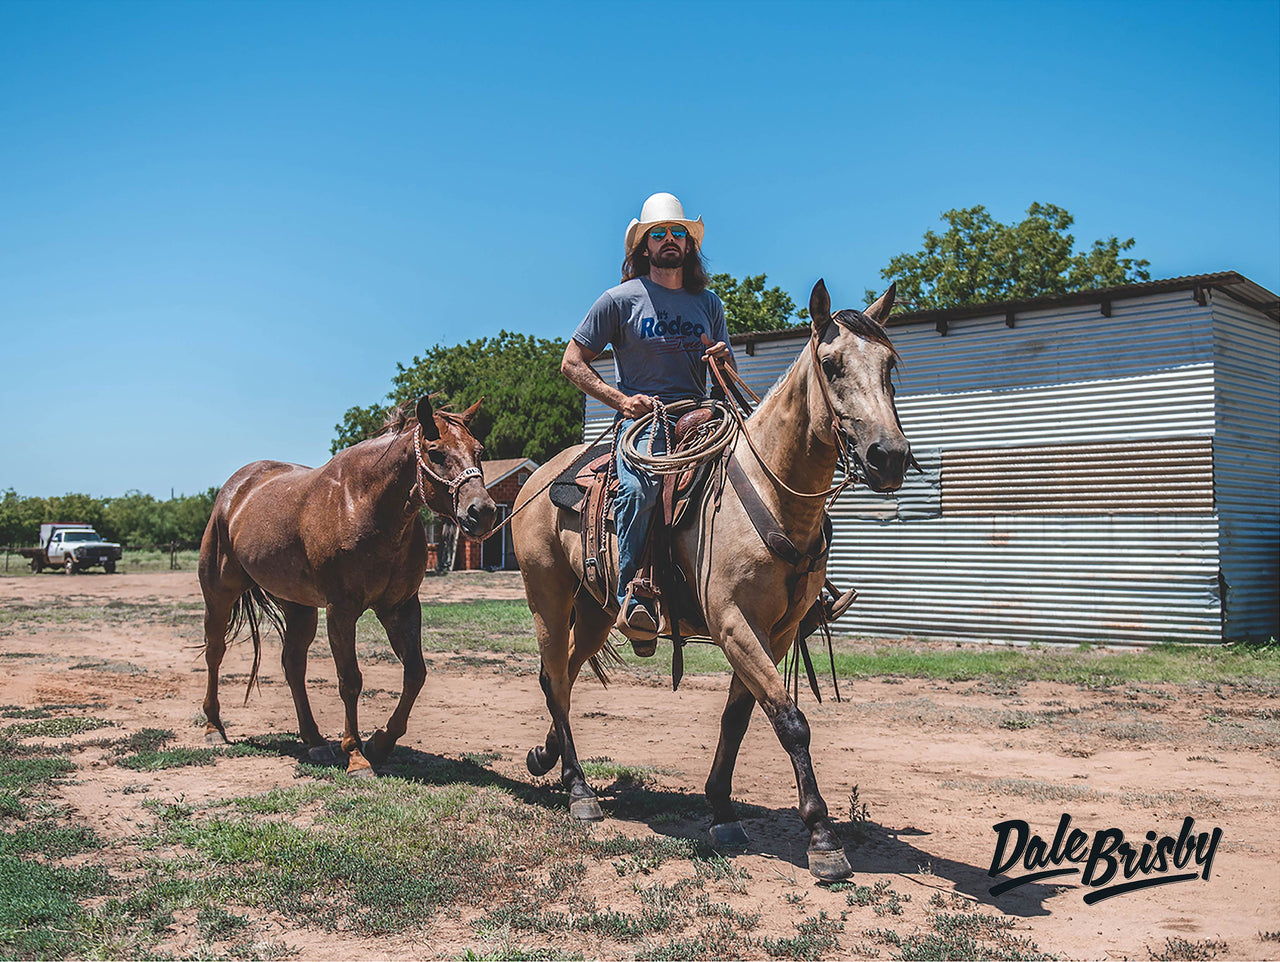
(1101,466)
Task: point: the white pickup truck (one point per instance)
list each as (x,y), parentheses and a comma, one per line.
(72,547)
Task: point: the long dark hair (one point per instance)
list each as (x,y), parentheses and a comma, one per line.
(636,264)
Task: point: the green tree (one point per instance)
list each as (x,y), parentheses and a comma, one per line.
(979,260)
(749,306)
(529,409)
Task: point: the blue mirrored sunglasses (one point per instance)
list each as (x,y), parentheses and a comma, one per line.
(679,233)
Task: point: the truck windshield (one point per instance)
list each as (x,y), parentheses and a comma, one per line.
(80,536)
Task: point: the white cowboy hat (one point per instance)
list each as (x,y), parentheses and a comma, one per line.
(661,208)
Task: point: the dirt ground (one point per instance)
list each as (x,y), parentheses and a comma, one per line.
(937,764)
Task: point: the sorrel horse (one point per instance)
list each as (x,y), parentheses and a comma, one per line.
(837,393)
(285,540)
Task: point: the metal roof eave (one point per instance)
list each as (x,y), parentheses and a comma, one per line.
(1235,285)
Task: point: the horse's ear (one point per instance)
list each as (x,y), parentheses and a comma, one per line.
(879,311)
(427,418)
(470,412)
(819,308)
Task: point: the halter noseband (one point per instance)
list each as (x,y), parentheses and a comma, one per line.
(420,485)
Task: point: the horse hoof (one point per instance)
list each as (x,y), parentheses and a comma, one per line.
(378,748)
(534,764)
(729,835)
(215,738)
(829,866)
(364,771)
(321,755)
(586,809)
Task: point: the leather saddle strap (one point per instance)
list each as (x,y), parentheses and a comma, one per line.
(767,526)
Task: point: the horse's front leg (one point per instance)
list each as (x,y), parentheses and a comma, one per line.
(748,651)
(726,830)
(342,640)
(403,623)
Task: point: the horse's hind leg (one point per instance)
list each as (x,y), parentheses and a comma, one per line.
(404,630)
(217,617)
(342,640)
(726,830)
(299,632)
(222,581)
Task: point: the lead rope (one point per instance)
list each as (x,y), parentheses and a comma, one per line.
(506,521)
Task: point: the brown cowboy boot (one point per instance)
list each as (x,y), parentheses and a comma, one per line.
(638,621)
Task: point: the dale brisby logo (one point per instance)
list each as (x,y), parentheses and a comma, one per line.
(1107,864)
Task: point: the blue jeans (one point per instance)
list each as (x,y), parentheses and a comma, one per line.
(638,493)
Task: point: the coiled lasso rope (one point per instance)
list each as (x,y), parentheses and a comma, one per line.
(708,440)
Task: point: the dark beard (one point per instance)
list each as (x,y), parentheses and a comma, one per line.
(667,259)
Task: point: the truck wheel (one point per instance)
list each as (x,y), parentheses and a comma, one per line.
(37,566)
(109,567)
(69,565)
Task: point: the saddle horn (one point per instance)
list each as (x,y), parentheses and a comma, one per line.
(427,418)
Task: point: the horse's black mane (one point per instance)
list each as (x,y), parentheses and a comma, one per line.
(404,412)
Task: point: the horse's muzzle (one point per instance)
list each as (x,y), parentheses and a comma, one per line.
(478,517)
(885,463)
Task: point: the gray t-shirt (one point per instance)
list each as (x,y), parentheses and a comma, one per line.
(656,335)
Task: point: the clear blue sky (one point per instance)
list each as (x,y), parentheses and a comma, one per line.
(222,224)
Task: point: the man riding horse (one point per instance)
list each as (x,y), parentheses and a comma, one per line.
(663,325)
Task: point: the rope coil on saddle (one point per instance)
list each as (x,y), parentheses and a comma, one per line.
(707,442)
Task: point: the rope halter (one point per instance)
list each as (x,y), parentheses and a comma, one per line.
(423,469)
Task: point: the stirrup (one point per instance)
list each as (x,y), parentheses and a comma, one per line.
(639,623)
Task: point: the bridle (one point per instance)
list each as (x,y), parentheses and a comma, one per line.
(852,466)
(420,485)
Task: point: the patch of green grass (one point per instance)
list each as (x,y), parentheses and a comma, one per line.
(1178,949)
(625,776)
(961,936)
(518,953)
(814,936)
(144,751)
(49,840)
(22,778)
(40,915)
(42,711)
(218,925)
(486,625)
(54,727)
(1093,668)
(882,899)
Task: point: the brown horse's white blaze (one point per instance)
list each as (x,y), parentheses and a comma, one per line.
(284,540)
(839,392)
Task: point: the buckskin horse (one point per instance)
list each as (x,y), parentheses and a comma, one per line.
(285,540)
(837,394)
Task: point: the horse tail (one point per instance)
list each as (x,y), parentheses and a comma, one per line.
(606,654)
(250,608)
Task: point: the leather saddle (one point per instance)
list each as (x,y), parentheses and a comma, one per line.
(587,488)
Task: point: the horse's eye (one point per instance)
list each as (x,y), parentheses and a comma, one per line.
(436,456)
(830,368)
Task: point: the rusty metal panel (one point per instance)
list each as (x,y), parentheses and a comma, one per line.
(1161,476)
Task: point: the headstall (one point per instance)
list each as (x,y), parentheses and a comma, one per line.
(453,486)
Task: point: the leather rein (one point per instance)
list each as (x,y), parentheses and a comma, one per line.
(767,527)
